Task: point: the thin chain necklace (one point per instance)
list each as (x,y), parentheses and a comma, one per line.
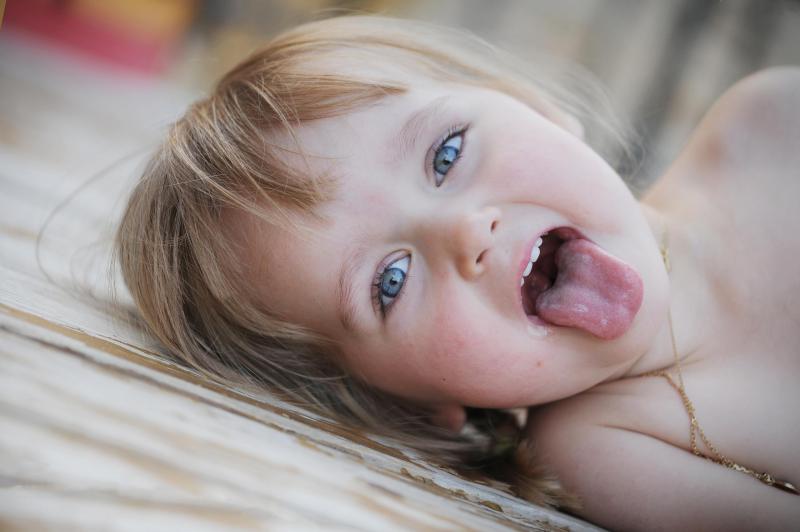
(694,426)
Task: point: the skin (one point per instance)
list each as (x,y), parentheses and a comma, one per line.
(623,446)
(457,335)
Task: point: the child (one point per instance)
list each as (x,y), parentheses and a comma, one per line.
(389,223)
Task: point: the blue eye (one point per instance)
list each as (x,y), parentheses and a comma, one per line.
(390,281)
(447,154)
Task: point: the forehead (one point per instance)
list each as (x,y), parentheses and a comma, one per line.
(328,149)
(352,152)
(336,139)
(356,151)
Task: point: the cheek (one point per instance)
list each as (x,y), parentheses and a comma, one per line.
(376,200)
(478,357)
(451,334)
(543,158)
(444,343)
(467,351)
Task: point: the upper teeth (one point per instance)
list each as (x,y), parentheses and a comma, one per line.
(534,255)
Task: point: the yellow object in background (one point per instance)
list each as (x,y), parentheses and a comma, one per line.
(135,34)
(155,19)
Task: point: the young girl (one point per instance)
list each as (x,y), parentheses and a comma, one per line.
(389,223)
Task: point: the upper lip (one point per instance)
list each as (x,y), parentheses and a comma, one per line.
(524,259)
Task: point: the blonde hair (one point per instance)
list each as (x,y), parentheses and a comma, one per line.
(184,277)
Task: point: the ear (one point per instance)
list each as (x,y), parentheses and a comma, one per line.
(450,416)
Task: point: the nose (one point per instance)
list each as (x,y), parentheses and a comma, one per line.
(468,238)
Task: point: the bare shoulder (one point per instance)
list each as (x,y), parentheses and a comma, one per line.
(628,479)
(770,90)
(752,129)
(759,115)
(748,141)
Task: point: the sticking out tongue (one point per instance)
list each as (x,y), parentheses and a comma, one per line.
(593,291)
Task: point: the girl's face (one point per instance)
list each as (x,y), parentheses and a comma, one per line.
(415,271)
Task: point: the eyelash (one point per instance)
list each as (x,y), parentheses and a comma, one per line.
(452,132)
(377,281)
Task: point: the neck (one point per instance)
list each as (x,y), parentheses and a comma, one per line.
(694,300)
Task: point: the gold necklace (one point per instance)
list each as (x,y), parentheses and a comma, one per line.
(694,426)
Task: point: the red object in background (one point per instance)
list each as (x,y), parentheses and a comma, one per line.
(132,33)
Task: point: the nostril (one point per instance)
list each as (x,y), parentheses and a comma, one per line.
(494,225)
(480,257)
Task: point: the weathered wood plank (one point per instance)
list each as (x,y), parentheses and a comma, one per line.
(89,427)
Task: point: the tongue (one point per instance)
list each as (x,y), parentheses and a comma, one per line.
(593,291)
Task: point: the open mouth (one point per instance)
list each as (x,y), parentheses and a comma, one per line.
(571,281)
(542,271)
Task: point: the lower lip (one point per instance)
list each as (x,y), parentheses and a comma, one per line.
(539,328)
(536,320)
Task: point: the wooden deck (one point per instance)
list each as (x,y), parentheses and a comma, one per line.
(98,433)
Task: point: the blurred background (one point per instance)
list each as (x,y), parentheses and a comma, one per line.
(90,69)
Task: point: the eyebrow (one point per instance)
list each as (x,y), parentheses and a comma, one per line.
(345,293)
(416,124)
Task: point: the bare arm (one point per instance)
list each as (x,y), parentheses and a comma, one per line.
(628,480)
